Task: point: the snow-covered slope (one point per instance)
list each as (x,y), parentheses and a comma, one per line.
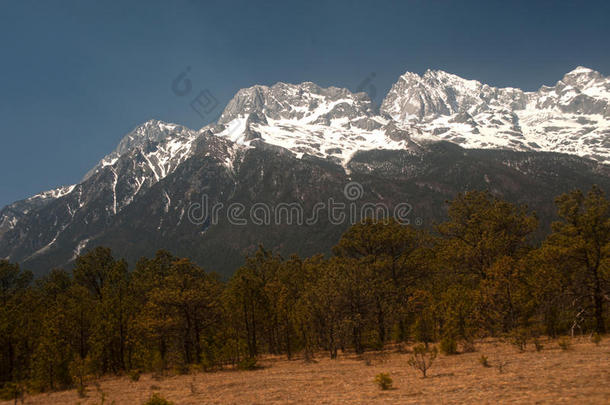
(329,122)
(571,117)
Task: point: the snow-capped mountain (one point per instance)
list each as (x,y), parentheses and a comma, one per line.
(329,135)
(150,152)
(571,117)
(328,123)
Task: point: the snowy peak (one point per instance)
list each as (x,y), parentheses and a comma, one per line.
(581,76)
(581,91)
(571,117)
(151,131)
(152,136)
(146,155)
(305,102)
(436,92)
(331,123)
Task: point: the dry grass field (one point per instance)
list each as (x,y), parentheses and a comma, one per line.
(578,375)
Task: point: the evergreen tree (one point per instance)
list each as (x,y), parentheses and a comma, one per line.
(580,248)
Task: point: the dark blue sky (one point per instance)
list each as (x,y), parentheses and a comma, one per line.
(75,76)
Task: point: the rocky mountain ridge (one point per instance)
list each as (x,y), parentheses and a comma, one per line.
(334,133)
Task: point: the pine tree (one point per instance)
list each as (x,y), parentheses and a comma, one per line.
(580,247)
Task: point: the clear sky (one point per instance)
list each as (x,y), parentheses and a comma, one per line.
(75,76)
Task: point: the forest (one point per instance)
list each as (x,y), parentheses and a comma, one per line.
(480,273)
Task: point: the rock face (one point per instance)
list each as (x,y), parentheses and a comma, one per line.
(301,144)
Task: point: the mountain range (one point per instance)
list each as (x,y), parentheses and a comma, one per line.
(433,136)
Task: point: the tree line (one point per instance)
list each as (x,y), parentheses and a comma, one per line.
(479,273)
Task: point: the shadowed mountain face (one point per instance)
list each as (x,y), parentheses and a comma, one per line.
(299,146)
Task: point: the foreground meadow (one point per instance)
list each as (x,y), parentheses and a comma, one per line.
(553,375)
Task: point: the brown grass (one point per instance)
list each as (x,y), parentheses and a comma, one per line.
(581,374)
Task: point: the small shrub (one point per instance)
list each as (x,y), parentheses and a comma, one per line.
(448,346)
(82,391)
(157,399)
(155,387)
(368,361)
(596,338)
(384,381)
(422,358)
(564,343)
(248,363)
(519,339)
(538,345)
(134,375)
(484,361)
(501,365)
(78,371)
